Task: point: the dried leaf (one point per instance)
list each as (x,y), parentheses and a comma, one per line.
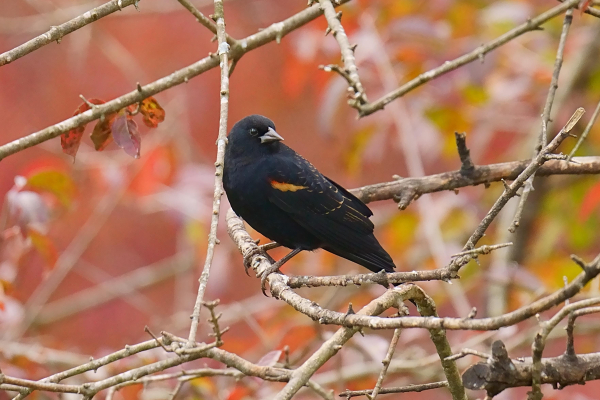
(126,134)
(44,246)
(152,111)
(54,181)
(102,134)
(70,140)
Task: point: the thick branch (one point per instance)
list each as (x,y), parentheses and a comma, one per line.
(427,308)
(330,348)
(280,289)
(406,188)
(559,371)
(56,33)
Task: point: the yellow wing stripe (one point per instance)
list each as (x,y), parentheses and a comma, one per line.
(287,187)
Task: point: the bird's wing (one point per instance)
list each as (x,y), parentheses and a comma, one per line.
(317,203)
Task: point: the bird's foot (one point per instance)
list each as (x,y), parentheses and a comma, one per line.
(262,250)
(265,274)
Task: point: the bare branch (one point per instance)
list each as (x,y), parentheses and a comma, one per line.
(350,71)
(540,342)
(302,374)
(386,363)
(404,389)
(543,136)
(223,52)
(589,10)
(482,175)
(427,308)
(275,32)
(280,289)
(477,54)
(511,190)
(95,364)
(204,20)
(464,153)
(586,131)
(56,33)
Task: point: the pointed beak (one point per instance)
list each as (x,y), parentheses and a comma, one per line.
(270,136)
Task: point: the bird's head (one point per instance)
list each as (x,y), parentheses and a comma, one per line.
(254,131)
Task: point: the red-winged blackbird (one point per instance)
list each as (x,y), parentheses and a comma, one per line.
(285,198)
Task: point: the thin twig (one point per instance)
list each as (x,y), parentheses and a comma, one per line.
(485,249)
(477,54)
(570,350)
(543,135)
(466,352)
(56,33)
(223,52)
(404,389)
(204,20)
(511,190)
(386,363)
(358,96)
(586,131)
(128,351)
(214,320)
(275,32)
(464,153)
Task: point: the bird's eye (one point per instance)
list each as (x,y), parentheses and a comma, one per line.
(254,132)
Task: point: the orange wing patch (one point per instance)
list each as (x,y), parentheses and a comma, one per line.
(286,187)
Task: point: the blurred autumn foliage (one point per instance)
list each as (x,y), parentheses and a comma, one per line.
(94,249)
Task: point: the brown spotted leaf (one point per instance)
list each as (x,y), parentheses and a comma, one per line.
(152,111)
(102,134)
(70,140)
(126,134)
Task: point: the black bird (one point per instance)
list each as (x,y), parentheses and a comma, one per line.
(285,198)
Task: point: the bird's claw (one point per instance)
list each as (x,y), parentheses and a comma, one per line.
(265,274)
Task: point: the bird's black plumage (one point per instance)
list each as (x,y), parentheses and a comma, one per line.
(285,198)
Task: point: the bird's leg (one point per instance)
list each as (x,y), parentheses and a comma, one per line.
(275,268)
(269,246)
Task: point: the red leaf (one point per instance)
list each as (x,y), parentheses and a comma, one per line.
(153,113)
(239,392)
(590,202)
(126,134)
(102,134)
(70,140)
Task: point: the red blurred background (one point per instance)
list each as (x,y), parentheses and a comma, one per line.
(114,215)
